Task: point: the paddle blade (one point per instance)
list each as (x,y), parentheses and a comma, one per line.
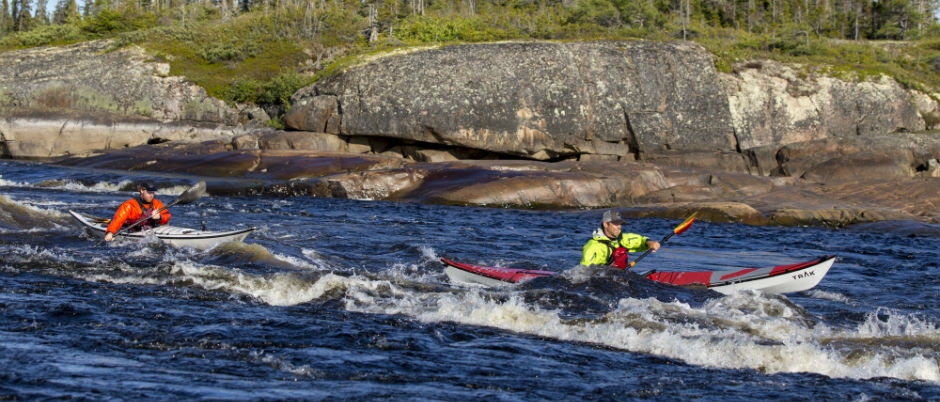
(685,225)
(193,194)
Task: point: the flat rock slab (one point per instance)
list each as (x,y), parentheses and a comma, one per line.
(640,189)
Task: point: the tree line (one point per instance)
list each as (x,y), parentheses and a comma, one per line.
(836,19)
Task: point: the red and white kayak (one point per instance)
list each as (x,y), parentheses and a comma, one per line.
(773,280)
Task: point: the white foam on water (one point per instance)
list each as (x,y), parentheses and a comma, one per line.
(297,262)
(771,338)
(33,209)
(745,330)
(416,272)
(279,289)
(9,183)
(72,185)
(741,331)
(99,187)
(832,296)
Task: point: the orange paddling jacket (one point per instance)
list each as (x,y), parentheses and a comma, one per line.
(133,209)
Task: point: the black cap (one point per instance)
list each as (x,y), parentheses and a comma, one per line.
(149,186)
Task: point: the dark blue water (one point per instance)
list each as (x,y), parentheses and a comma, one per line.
(342,299)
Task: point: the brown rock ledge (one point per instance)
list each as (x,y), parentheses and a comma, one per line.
(639,189)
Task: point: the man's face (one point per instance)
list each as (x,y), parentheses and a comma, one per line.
(146,195)
(611,229)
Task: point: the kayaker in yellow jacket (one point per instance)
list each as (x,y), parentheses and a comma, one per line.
(609,245)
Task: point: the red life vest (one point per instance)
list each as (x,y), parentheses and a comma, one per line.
(618,256)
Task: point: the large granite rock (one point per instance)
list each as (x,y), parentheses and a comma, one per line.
(88,97)
(543,101)
(658,102)
(774,105)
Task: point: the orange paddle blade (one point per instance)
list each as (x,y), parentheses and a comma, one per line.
(685,225)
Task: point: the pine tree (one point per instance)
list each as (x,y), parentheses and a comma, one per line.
(66,12)
(6,20)
(42,16)
(22,20)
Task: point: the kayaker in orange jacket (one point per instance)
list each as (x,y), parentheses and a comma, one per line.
(132,210)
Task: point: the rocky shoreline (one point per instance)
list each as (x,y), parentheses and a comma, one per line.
(649,128)
(639,189)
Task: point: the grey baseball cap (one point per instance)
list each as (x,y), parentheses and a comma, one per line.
(613,217)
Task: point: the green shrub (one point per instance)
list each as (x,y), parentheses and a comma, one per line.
(934,64)
(228,52)
(243,91)
(437,30)
(44,35)
(279,90)
(108,22)
(276,91)
(602,13)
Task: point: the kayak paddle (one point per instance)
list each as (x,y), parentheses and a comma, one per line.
(685,225)
(193,194)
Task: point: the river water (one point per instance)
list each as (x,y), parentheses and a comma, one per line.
(346,299)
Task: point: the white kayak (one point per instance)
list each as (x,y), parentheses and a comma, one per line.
(173,235)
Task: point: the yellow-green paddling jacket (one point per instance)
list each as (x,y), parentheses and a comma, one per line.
(599,250)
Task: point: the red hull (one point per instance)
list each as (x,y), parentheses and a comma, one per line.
(512,275)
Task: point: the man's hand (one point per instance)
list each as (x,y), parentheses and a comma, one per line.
(155,215)
(108,236)
(653,245)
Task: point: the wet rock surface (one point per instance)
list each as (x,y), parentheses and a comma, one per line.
(637,188)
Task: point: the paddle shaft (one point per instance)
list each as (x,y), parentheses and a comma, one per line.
(647,252)
(679,229)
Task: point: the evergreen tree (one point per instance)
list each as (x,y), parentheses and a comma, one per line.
(66,12)
(42,16)
(898,20)
(22,20)
(6,20)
